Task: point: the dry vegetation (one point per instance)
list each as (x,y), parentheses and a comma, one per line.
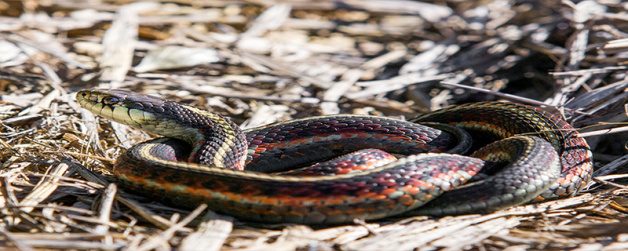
(262,61)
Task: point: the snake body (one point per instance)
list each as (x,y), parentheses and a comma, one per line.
(206,158)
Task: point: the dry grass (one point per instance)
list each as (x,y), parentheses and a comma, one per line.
(260,62)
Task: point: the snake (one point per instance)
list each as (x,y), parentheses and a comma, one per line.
(333,169)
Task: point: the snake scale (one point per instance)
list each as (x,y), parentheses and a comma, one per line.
(205,158)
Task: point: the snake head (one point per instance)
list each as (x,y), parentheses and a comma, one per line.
(122,106)
(148,113)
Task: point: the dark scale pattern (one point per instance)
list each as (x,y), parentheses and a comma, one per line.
(496,120)
(214,132)
(284,146)
(533,166)
(349,163)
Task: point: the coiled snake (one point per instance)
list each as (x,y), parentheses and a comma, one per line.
(206,158)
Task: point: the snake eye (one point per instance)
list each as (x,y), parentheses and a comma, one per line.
(110,100)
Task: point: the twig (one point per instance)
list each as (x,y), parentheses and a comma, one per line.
(166,235)
(500,94)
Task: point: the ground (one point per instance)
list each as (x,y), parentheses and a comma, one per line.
(259,62)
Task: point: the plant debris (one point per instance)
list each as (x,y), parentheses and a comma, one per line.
(260,62)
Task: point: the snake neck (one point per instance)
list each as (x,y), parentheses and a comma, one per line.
(216,141)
